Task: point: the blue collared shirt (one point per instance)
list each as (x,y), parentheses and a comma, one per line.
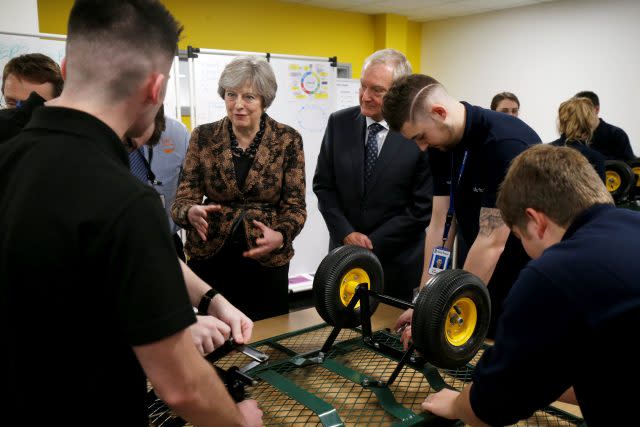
(166,163)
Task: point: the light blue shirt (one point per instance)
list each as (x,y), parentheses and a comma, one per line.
(166,163)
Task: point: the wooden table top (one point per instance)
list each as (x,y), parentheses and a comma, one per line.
(384,317)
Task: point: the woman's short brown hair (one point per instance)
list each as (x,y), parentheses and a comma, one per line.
(502,96)
(249,69)
(557,181)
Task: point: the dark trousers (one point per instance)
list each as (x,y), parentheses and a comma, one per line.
(258,291)
(177,242)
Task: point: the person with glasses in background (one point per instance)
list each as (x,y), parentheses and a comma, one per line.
(28,81)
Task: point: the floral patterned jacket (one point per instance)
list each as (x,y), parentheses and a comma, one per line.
(273,193)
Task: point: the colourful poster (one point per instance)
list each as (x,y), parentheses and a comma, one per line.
(309,81)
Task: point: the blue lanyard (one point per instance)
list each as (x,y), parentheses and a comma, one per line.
(452,209)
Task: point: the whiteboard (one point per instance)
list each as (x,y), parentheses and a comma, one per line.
(209,106)
(305,98)
(14,45)
(347,93)
(171,99)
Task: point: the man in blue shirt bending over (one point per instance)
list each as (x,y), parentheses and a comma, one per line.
(574,308)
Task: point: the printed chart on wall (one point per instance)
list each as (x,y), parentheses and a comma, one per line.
(306,97)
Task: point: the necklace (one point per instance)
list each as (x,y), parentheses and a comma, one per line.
(251,150)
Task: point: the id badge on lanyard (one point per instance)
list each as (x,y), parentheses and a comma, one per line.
(441,256)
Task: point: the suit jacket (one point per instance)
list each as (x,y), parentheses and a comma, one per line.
(273,193)
(394,210)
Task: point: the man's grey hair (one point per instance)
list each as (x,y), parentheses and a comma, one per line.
(249,69)
(394,58)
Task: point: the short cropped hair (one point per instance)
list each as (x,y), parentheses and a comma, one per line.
(35,68)
(502,96)
(591,95)
(557,181)
(576,118)
(249,69)
(394,58)
(407,92)
(116,42)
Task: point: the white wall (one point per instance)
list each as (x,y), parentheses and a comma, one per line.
(19,15)
(544,54)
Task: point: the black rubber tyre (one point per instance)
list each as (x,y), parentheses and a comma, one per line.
(619,178)
(635,168)
(443,342)
(333,275)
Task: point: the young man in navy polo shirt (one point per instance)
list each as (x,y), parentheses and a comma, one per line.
(573,309)
(470,149)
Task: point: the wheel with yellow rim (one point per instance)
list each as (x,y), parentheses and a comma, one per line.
(336,280)
(635,168)
(451,318)
(619,179)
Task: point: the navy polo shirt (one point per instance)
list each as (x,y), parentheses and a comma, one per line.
(492,140)
(596,159)
(612,142)
(570,320)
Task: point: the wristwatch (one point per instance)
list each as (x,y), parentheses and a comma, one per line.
(203,306)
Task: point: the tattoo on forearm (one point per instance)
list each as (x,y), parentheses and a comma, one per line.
(490,219)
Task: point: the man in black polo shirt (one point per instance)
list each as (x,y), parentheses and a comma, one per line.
(608,139)
(573,309)
(218,320)
(92,298)
(470,149)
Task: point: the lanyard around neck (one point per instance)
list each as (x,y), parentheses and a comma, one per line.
(452,209)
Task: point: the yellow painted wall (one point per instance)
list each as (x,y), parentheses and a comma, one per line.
(273,26)
(255,25)
(414,46)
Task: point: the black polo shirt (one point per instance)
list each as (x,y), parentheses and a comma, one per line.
(12,120)
(570,320)
(596,158)
(492,140)
(87,270)
(612,142)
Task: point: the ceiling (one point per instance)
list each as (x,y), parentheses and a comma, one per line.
(419,10)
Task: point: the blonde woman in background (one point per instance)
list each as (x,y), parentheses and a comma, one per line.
(577,119)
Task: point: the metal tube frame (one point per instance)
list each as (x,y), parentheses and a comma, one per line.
(362,295)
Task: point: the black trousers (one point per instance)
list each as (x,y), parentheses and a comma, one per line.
(258,291)
(177,242)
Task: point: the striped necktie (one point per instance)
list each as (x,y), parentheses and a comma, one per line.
(138,165)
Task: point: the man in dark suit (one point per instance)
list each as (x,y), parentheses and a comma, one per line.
(374,187)
(608,139)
